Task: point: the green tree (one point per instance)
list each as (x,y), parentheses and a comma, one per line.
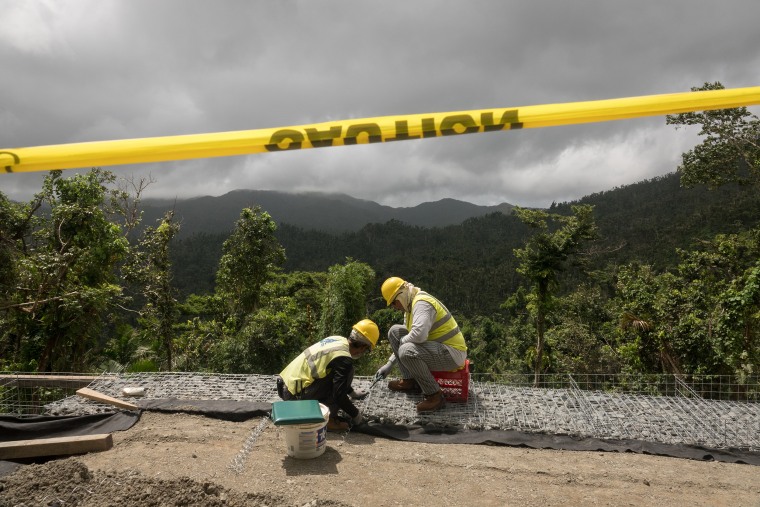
(151,269)
(639,298)
(581,335)
(200,328)
(545,255)
(730,150)
(345,295)
(701,318)
(250,257)
(490,346)
(15,224)
(65,287)
(283,326)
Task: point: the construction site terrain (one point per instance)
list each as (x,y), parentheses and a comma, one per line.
(185,459)
(180,458)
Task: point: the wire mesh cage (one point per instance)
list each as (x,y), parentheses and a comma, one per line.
(28,394)
(711,411)
(711,387)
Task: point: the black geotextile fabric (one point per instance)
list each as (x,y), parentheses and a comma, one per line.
(228,410)
(50,426)
(558,442)
(14,428)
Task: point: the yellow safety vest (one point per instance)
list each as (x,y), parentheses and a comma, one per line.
(445,329)
(312,363)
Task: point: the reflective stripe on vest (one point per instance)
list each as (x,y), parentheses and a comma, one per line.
(312,363)
(444,329)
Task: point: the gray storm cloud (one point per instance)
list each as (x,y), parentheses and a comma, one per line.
(87,70)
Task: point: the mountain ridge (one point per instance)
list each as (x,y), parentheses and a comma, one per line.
(329,212)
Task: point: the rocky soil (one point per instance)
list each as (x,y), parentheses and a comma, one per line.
(181,459)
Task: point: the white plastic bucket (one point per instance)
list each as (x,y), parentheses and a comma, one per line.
(306,441)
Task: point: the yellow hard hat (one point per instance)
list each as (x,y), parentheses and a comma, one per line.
(390,288)
(369,330)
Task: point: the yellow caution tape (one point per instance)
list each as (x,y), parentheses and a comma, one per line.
(365,130)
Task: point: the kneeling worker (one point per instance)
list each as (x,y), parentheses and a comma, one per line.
(429,341)
(325,371)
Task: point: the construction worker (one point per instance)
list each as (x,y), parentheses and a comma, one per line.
(429,340)
(325,371)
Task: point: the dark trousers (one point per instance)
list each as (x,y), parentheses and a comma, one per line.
(320,390)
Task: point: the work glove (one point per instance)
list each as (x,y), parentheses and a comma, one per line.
(358,395)
(357,419)
(384,370)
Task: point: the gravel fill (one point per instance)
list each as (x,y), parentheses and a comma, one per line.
(572,411)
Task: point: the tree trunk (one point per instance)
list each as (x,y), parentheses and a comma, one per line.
(539,348)
(169,359)
(540,327)
(47,353)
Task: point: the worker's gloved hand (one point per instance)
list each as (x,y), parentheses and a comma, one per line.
(384,370)
(358,395)
(357,419)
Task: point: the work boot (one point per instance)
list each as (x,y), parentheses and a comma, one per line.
(406,384)
(431,402)
(334,424)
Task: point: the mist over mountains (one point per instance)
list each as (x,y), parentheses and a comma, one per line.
(335,213)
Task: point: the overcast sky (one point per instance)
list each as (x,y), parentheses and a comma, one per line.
(91,70)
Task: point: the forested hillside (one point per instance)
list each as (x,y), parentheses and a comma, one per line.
(652,219)
(472,262)
(472,265)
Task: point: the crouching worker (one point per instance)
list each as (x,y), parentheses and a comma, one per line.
(429,340)
(325,371)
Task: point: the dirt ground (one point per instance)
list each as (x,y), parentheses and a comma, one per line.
(182,459)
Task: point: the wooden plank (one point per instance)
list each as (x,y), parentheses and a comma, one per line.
(71,381)
(55,446)
(91,394)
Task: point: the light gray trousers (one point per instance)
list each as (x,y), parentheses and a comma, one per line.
(417,360)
